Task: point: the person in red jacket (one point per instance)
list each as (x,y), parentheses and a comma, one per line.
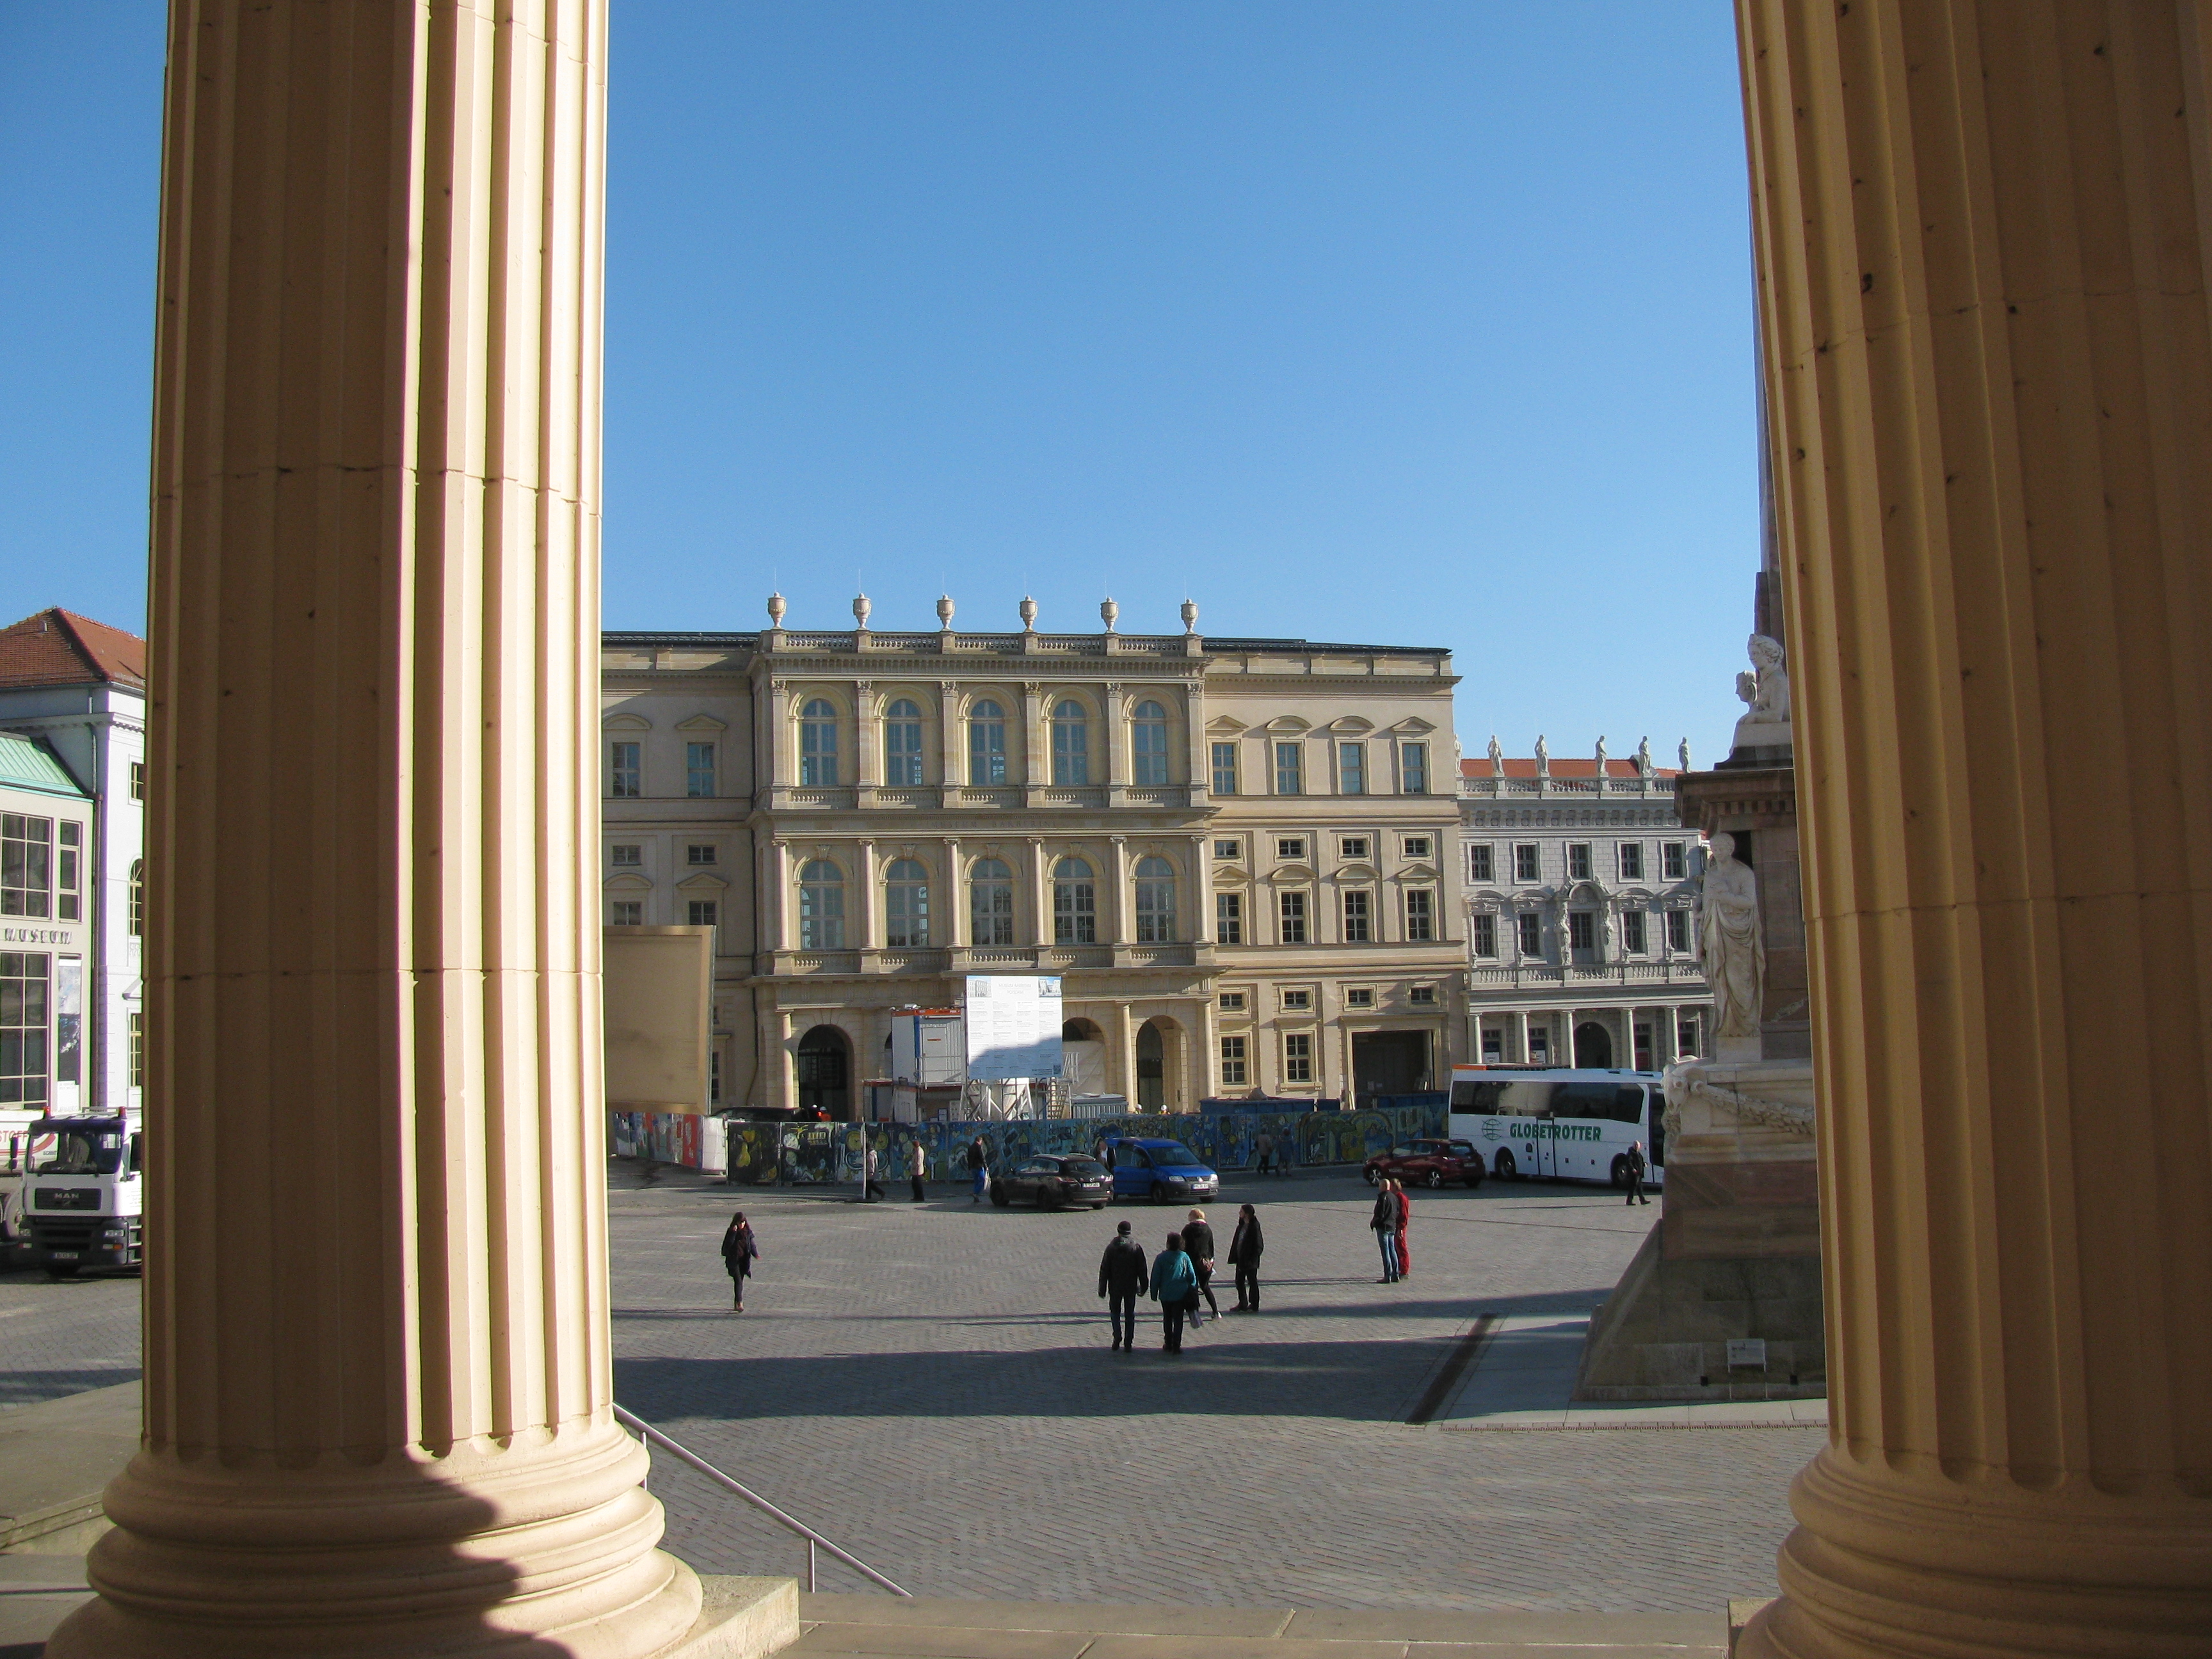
(1404,1215)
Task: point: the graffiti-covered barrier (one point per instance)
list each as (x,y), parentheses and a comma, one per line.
(809,1154)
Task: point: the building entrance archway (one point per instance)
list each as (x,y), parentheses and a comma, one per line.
(1593,1046)
(823,1065)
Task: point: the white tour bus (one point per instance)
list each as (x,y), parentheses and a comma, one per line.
(1561,1124)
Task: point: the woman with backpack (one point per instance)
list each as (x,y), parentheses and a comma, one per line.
(739,1252)
(1174,1288)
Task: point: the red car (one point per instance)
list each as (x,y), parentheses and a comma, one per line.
(1428,1164)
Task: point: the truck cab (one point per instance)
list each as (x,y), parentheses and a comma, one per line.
(83,1196)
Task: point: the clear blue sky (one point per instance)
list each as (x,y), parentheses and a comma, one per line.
(1419,323)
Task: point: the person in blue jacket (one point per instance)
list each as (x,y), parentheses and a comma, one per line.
(1174,1288)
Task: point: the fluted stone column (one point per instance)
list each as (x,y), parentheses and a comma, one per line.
(1982,228)
(377,1383)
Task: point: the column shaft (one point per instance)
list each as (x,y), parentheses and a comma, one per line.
(377,1387)
(1982,228)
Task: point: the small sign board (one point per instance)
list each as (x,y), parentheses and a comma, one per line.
(1747,1351)
(1013,1026)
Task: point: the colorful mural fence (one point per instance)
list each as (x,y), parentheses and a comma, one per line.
(810,1154)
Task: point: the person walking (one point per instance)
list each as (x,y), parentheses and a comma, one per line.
(1636,1168)
(1174,1288)
(871,1188)
(1382,1220)
(1265,1146)
(1198,1239)
(1122,1280)
(1244,1246)
(917,1168)
(1404,1201)
(739,1252)
(979,1168)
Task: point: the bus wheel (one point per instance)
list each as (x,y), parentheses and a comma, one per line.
(1620,1173)
(1506,1168)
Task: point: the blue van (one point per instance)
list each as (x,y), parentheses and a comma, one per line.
(1160,1171)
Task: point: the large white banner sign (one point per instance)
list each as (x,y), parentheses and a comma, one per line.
(1013,1026)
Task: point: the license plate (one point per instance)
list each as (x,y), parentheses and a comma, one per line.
(65,1255)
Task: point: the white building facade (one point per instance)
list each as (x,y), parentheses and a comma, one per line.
(1580,913)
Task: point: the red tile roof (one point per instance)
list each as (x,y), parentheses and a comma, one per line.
(1562,767)
(59,648)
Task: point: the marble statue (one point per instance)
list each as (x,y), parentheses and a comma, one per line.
(1497,757)
(1606,931)
(1765,689)
(1731,945)
(1543,755)
(1684,753)
(1601,754)
(1643,758)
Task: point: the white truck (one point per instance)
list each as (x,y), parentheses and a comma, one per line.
(83,1198)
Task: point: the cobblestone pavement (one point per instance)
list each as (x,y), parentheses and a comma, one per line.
(63,1336)
(932,1388)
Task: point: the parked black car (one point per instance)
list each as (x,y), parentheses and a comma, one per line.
(1049,1179)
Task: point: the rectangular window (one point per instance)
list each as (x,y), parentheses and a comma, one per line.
(697,853)
(698,769)
(1417,847)
(1296,1000)
(991,912)
(1229,918)
(24,985)
(714,1077)
(1361,998)
(1290,768)
(1290,847)
(1233,1060)
(1528,936)
(1291,908)
(1582,929)
(69,877)
(1685,1035)
(1422,996)
(702,913)
(1297,1057)
(1420,913)
(1631,861)
(1414,767)
(1357,908)
(137,1049)
(1678,930)
(1485,936)
(26,885)
(1481,862)
(1525,867)
(1353,847)
(1493,1045)
(622,771)
(1227,849)
(1351,768)
(1233,1001)
(1578,860)
(1673,865)
(138,780)
(1224,768)
(1631,931)
(627,913)
(626,855)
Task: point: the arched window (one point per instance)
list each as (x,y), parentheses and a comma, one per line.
(1156,885)
(1070,744)
(1074,903)
(137,897)
(821,906)
(903,745)
(906,905)
(817,745)
(1148,744)
(991,902)
(986,744)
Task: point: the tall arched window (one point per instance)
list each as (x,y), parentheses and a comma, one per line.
(906,905)
(137,897)
(1148,744)
(821,906)
(991,902)
(1074,903)
(1156,885)
(817,745)
(903,744)
(1070,744)
(986,744)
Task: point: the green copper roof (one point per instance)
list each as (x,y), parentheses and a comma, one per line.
(27,763)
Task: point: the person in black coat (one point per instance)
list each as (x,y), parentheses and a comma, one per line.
(1245,1248)
(1636,1168)
(1198,1239)
(1123,1276)
(739,1252)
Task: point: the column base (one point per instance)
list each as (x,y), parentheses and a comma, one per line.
(1895,1565)
(741,1617)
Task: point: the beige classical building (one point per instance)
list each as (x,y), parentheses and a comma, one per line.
(1236,852)
(1581,912)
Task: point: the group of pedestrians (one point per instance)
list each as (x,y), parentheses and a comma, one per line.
(1180,1277)
(1392,1214)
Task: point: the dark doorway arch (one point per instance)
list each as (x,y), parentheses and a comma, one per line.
(1593,1046)
(1151,1068)
(1080,1030)
(824,1065)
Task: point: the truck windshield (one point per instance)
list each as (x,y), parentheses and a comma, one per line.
(84,1155)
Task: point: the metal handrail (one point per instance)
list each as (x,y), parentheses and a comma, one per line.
(653,1436)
